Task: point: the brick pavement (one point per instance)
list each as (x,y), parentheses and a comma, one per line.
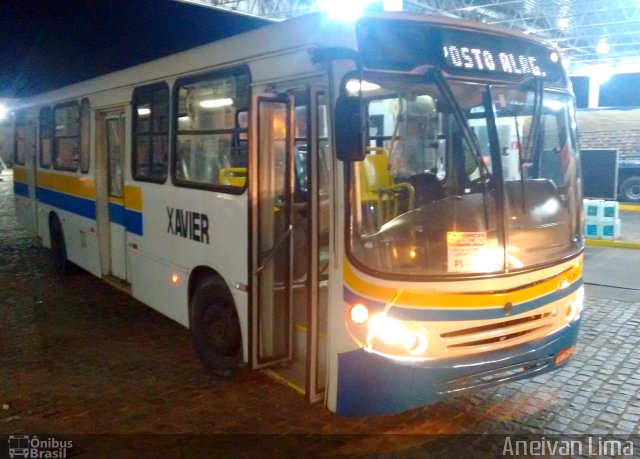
(78,357)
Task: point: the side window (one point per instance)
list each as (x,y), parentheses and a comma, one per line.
(66,146)
(85,133)
(151,132)
(46,136)
(20,150)
(210,139)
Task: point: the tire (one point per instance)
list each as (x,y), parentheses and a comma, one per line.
(61,264)
(215,329)
(630,189)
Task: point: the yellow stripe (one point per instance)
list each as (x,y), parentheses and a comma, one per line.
(629,207)
(610,243)
(20,174)
(303,329)
(133,197)
(83,187)
(279,377)
(418,299)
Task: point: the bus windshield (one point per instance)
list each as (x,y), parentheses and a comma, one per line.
(462,178)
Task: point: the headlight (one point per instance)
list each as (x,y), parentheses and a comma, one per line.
(574,309)
(396,338)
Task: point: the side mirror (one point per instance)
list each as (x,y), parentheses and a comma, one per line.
(349,129)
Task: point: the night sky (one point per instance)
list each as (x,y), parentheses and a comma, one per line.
(45,44)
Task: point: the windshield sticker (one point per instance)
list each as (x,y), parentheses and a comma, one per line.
(465,251)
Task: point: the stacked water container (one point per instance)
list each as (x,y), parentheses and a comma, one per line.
(601,219)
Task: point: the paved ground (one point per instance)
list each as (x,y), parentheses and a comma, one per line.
(78,357)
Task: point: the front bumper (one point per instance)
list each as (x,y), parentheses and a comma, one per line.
(370,384)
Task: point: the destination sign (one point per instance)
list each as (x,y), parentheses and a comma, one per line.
(463,57)
(476,52)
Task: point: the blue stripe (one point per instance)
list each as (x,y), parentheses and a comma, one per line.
(130,219)
(116,213)
(21,189)
(133,220)
(74,204)
(441,315)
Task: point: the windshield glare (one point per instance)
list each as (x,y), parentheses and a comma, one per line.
(426,199)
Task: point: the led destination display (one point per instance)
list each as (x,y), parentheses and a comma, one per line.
(472,51)
(484,59)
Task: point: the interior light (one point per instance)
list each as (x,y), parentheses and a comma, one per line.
(359,313)
(143,111)
(216,103)
(551,104)
(3,112)
(361,85)
(175,279)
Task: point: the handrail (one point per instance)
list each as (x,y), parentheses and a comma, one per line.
(272,251)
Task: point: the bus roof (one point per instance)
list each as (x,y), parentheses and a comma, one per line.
(309,31)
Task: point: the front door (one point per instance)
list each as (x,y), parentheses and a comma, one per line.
(291,227)
(272,240)
(110,190)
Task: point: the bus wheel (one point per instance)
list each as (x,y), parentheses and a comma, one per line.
(630,189)
(61,264)
(215,329)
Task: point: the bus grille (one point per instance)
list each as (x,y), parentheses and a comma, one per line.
(499,333)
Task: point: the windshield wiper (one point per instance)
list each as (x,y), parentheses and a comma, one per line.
(460,117)
(532,138)
(468,134)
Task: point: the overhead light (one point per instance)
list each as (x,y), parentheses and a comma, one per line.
(601,73)
(216,103)
(143,111)
(392,5)
(603,46)
(343,10)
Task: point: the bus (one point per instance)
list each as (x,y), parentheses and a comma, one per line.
(383,212)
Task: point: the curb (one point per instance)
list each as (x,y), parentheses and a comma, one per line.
(608,243)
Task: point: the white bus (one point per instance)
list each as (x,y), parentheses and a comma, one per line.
(384,213)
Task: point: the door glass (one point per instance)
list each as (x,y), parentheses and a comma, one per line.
(114,154)
(274,242)
(322,194)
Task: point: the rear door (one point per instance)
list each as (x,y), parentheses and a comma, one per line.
(25,172)
(111,192)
